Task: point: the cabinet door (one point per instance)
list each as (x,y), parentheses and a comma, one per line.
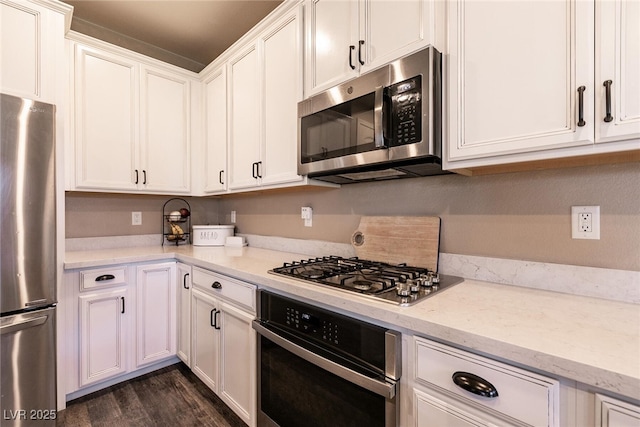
(618,61)
(205,340)
(238,362)
(282,74)
(515,69)
(616,413)
(332,43)
(103,344)
(391,29)
(106,111)
(32,49)
(430,411)
(246,124)
(184,313)
(165,148)
(215,157)
(156,308)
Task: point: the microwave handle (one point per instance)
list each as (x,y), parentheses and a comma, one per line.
(378,120)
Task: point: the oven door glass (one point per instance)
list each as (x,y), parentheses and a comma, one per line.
(294,392)
(344,129)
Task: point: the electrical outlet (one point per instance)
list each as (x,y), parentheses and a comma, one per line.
(585,222)
(307,215)
(136,218)
(233,217)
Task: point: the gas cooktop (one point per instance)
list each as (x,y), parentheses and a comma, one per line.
(395,283)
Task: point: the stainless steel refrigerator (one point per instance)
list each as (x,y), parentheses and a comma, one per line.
(28,262)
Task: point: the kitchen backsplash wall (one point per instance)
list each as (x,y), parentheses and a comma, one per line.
(523,216)
(102,214)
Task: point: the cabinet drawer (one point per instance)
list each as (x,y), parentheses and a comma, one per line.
(525,396)
(102,277)
(218,285)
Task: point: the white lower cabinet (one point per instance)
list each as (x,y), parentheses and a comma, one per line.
(223,351)
(118,322)
(155,313)
(184,313)
(103,343)
(452,387)
(612,412)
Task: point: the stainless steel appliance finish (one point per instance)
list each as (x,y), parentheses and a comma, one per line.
(398,284)
(28,261)
(384,124)
(319,368)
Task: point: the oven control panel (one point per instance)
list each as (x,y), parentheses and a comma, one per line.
(406,111)
(311,324)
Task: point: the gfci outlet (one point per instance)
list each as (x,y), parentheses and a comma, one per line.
(585,222)
(307,215)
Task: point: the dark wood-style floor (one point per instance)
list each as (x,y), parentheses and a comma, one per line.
(172,396)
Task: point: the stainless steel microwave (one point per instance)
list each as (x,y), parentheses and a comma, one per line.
(382,125)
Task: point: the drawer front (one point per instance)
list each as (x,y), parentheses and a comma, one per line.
(525,396)
(102,278)
(225,287)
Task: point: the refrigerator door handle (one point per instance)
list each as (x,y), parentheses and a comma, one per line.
(15,327)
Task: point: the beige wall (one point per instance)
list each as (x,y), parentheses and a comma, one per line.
(101,214)
(522,215)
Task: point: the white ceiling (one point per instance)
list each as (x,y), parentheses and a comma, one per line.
(186,33)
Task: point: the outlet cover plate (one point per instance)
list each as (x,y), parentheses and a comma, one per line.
(576,223)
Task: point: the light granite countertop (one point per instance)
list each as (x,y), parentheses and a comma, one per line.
(590,340)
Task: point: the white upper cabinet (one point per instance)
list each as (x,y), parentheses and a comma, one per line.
(215,146)
(618,68)
(528,82)
(32,48)
(265,87)
(345,38)
(246,123)
(165,148)
(132,122)
(106,125)
(515,73)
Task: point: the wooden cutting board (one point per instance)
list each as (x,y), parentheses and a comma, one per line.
(413,240)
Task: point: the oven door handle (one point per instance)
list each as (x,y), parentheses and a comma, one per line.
(382,388)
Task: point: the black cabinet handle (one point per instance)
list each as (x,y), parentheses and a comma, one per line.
(105,277)
(220,177)
(212,317)
(122,305)
(216,285)
(581,121)
(351,49)
(607,84)
(144,179)
(184,281)
(215,319)
(258,169)
(136,170)
(254,165)
(474,384)
(361,43)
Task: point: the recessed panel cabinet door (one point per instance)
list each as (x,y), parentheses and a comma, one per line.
(246,122)
(103,344)
(282,74)
(215,162)
(205,339)
(516,73)
(617,70)
(238,362)
(165,132)
(184,313)
(105,121)
(331,31)
(155,314)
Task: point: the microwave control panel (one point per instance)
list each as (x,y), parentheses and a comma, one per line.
(406,111)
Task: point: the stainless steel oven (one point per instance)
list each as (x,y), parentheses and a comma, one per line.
(318,368)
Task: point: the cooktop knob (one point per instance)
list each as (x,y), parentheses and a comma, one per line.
(403,289)
(414,285)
